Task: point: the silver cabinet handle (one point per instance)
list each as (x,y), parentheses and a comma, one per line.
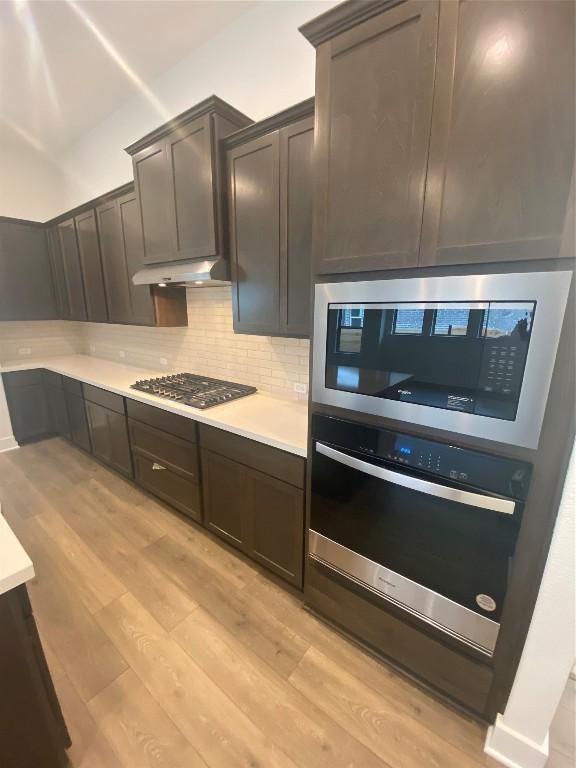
(506,506)
(157,466)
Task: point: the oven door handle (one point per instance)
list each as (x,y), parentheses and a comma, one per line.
(506,506)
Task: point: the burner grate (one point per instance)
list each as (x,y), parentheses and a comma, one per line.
(193,390)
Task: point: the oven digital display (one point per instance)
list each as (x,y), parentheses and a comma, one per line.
(459,356)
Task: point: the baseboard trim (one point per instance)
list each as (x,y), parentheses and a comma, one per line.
(8,444)
(513,749)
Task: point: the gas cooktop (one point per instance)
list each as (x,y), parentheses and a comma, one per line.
(196,391)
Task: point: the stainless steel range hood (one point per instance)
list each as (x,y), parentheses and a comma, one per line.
(194,273)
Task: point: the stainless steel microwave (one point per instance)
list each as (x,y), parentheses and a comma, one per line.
(469,354)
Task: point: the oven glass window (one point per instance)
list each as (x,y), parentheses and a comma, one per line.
(468,357)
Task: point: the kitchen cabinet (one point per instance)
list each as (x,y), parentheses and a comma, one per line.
(56,402)
(106,416)
(254,500)
(445,132)
(34,732)
(27,404)
(58,272)
(269,167)
(91,265)
(79,433)
(179,183)
(374,92)
(502,141)
(26,286)
(72,270)
(122,251)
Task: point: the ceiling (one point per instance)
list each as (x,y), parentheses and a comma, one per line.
(65,65)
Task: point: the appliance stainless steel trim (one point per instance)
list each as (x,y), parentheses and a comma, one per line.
(194,273)
(456,620)
(506,506)
(548,289)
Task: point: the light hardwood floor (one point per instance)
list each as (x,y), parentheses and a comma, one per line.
(168,650)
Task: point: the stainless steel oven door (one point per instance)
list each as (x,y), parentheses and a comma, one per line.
(440,552)
(426,367)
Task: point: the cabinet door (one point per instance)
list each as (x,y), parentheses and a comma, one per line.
(77,420)
(56,403)
(189,152)
(58,273)
(91,262)
(502,143)
(296,147)
(109,437)
(72,269)
(113,262)
(374,103)
(29,413)
(26,289)
(275,525)
(152,179)
(255,234)
(224,487)
(140,297)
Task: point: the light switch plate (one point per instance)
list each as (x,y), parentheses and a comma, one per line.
(121,353)
(24,351)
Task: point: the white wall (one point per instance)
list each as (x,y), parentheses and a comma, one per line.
(31,184)
(260,64)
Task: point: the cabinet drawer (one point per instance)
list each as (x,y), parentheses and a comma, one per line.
(173,488)
(72,385)
(272,461)
(104,398)
(22,378)
(173,452)
(52,379)
(168,422)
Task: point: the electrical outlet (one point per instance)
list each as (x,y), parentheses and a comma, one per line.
(300,388)
(24,351)
(92,348)
(121,353)
(163,361)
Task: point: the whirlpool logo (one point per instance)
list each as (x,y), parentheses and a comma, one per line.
(404,392)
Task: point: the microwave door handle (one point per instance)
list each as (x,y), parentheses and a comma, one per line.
(506,506)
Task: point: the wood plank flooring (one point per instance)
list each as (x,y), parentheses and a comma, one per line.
(168,650)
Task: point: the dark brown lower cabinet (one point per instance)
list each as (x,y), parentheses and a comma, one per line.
(28,406)
(33,731)
(259,514)
(109,437)
(56,402)
(79,433)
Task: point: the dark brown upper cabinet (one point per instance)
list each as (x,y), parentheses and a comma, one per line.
(58,272)
(72,270)
(502,142)
(179,184)
(122,248)
(91,264)
(374,93)
(26,285)
(445,132)
(269,169)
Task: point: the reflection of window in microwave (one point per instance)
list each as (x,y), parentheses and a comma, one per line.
(350,325)
(515,322)
(409,321)
(451,322)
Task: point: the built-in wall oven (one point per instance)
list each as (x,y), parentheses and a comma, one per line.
(419,523)
(468,354)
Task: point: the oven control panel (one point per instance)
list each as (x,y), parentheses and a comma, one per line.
(497,474)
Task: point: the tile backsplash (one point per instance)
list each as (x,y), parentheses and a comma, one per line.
(33,340)
(208,345)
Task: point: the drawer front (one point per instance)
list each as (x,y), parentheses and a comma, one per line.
(72,385)
(177,454)
(280,464)
(22,378)
(168,422)
(104,398)
(52,379)
(175,489)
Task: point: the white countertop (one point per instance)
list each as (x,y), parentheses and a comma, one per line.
(268,419)
(15,565)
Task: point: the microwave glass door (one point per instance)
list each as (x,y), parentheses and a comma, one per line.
(468,357)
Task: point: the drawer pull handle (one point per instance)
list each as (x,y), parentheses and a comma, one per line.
(157,466)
